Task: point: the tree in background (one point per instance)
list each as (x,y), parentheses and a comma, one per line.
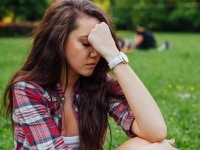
(104,4)
(153,14)
(24,10)
(3,10)
(120,11)
(186,17)
(163,15)
(122,14)
(19,17)
(168,15)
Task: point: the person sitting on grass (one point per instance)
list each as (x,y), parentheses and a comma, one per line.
(144,40)
(62,95)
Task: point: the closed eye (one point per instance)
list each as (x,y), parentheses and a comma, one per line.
(86,44)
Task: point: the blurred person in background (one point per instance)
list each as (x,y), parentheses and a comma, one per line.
(143,40)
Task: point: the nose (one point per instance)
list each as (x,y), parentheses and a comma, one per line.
(93,52)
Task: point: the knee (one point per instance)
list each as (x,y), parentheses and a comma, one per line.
(133,144)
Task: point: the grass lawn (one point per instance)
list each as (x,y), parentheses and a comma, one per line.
(172,77)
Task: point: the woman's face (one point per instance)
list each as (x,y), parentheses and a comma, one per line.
(81,56)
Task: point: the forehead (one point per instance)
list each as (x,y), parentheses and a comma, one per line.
(85,24)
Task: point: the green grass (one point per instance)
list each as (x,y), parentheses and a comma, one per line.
(171,76)
(12,54)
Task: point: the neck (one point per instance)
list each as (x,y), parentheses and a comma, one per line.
(71,80)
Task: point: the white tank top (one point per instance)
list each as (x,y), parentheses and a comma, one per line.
(72,141)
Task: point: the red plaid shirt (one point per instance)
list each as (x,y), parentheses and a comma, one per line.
(38,120)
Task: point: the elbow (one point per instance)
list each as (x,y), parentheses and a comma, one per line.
(159,134)
(159,137)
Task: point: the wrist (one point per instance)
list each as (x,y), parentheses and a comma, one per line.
(111,56)
(120,58)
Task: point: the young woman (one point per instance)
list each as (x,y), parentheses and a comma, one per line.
(61,97)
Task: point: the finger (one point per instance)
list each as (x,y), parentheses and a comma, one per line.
(91,34)
(103,24)
(171,142)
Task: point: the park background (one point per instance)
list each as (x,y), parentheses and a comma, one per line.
(172,76)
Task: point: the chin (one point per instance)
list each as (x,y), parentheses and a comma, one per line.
(87,74)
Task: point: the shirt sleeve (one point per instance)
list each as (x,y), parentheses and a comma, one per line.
(120,111)
(34,118)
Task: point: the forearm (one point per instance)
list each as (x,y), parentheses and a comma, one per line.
(149,119)
(149,122)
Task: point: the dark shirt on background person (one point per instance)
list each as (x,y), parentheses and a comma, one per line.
(148,40)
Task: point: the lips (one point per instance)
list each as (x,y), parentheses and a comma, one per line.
(91,65)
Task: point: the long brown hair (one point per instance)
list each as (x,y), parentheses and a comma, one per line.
(47,59)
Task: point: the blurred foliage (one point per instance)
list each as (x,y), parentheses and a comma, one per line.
(118,11)
(104,4)
(122,12)
(162,15)
(168,15)
(171,15)
(185,18)
(23,10)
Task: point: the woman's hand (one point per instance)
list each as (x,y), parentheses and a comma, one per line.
(102,41)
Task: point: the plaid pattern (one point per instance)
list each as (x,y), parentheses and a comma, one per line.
(37,116)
